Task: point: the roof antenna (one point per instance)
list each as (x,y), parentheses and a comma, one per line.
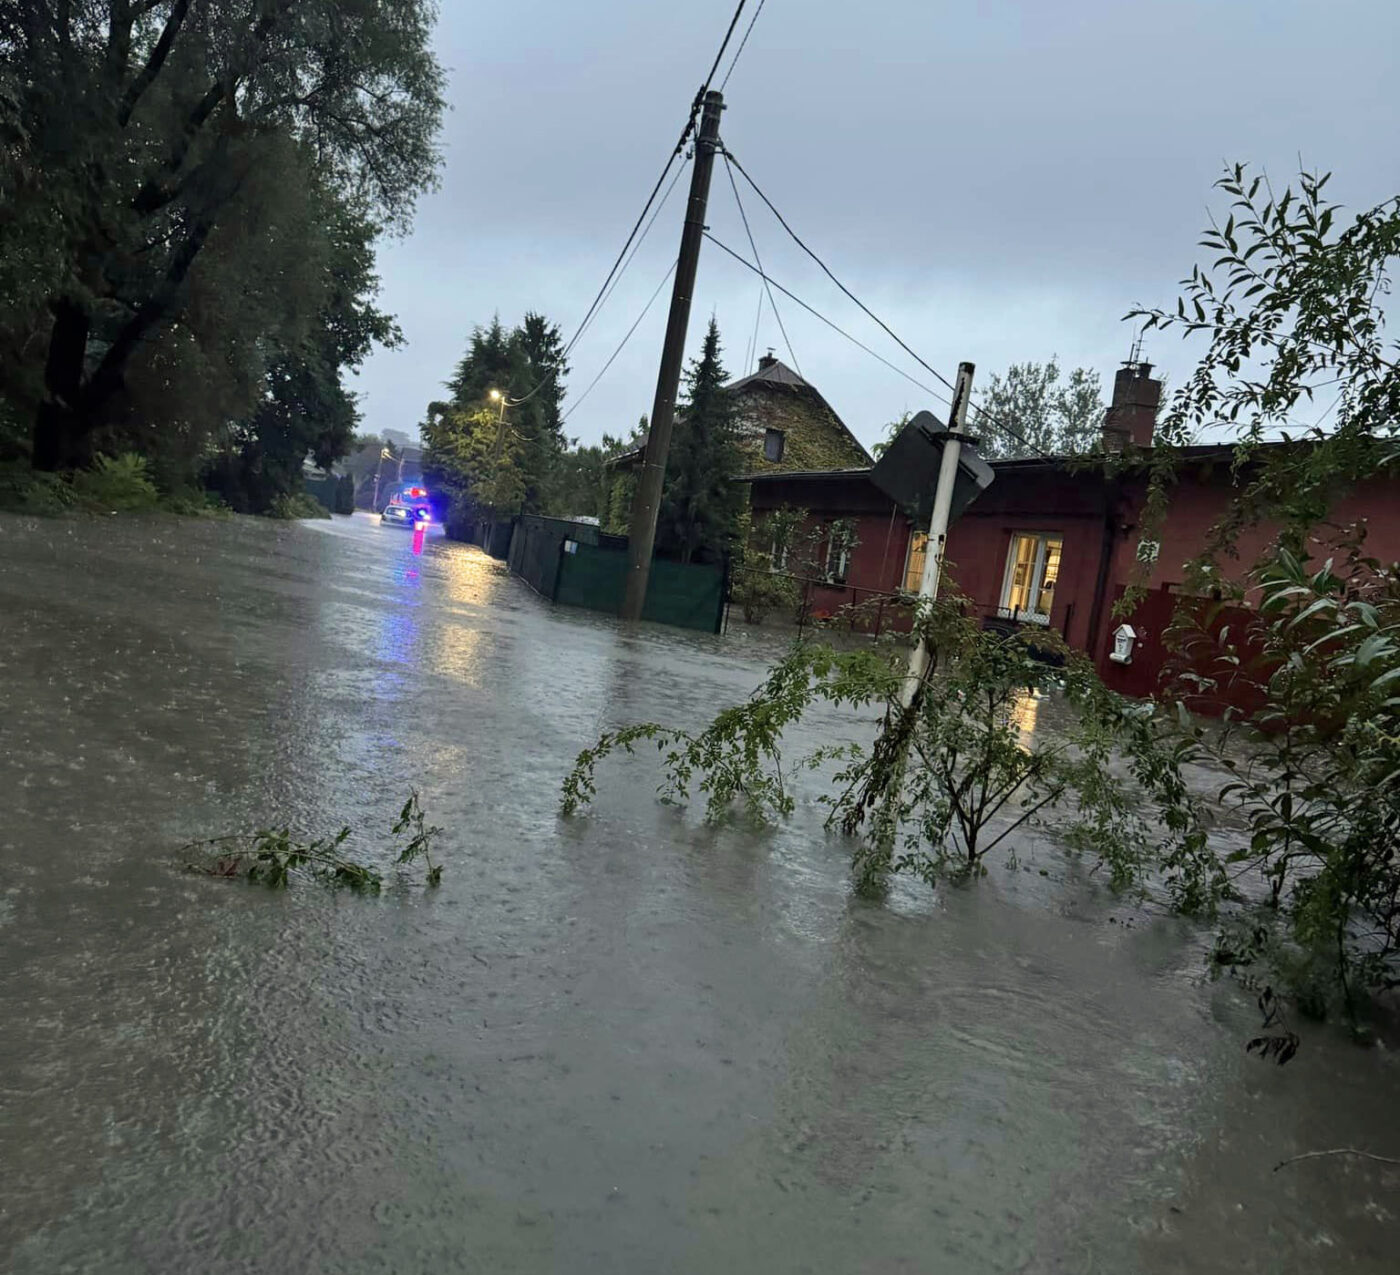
(1135,355)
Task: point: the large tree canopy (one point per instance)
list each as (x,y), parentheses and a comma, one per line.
(1055,414)
(495,444)
(190,182)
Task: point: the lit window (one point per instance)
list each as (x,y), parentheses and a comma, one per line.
(1032,569)
(774,443)
(914,563)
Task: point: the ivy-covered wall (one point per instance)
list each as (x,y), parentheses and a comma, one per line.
(815,437)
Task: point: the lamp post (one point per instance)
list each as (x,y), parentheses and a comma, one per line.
(384,454)
(497,397)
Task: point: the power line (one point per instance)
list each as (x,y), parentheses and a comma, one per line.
(751,350)
(753,247)
(670,159)
(669,272)
(942,398)
(742,42)
(641,239)
(724,44)
(797,239)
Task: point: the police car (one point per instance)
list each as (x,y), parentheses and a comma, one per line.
(407,508)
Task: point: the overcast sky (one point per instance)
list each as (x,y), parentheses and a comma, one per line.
(1000,180)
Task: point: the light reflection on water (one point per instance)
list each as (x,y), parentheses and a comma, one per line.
(622,1042)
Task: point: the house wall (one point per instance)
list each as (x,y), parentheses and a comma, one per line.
(814,437)
(1201,498)
(1080,507)
(1034,501)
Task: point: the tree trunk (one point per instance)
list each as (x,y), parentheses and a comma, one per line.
(58,439)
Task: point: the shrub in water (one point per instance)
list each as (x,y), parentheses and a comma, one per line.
(297,505)
(120,483)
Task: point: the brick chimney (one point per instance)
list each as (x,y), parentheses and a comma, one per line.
(1133,413)
(766,361)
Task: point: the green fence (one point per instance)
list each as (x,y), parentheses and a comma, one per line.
(574,564)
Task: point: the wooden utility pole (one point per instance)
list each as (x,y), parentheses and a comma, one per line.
(641,537)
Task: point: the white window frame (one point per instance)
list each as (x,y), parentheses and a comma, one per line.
(1005,611)
(777,557)
(838,558)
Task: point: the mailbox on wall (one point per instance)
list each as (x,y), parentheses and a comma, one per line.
(1123,638)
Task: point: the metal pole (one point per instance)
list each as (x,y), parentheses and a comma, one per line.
(641,537)
(500,430)
(938,523)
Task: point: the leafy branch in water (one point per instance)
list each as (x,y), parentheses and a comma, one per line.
(954,773)
(411,819)
(271,856)
(737,755)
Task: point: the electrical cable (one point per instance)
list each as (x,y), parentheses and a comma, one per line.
(724,44)
(751,350)
(641,217)
(742,42)
(637,323)
(753,247)
(642,237)
(942,398)
(981,412)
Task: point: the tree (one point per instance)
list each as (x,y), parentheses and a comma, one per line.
(1055,417)
(144,139)
(972,778)
(892,431)
(701,502)
(1294,305)
(579,484)
(527,367)
(304,406)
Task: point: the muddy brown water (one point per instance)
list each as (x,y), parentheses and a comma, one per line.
(623,1042)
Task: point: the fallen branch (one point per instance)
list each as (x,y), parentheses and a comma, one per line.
(1313,1155)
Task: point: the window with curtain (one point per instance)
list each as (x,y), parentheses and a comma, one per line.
(838,553)
(1032,570)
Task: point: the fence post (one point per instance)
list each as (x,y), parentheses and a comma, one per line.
(722,619)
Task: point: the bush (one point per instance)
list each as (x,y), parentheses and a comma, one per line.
(190,502)
(297,505)
(759,592)
(25,491)
(1318,777)
(345,495)
(116,483)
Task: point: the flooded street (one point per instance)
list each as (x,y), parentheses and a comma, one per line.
(622,1042)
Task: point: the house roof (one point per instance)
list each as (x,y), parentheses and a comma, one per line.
(775,372)
(775,375)
(801,475)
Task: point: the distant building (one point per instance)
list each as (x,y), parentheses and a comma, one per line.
(784,425)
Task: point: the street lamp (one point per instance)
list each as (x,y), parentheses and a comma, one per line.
(497,397)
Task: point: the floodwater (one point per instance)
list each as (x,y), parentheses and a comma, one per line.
(623,1042)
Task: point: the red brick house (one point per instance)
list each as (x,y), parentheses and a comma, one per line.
(1055,545)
